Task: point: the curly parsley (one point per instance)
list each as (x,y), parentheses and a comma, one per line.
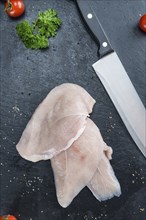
(36,36)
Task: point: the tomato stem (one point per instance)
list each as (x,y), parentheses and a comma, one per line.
(6,217)
(9,6)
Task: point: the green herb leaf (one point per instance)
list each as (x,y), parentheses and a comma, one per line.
(36,36)
(47,23)
(31,40)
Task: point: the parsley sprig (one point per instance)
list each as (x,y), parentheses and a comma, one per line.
(36,36)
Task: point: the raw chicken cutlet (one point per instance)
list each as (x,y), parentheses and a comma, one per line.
(85,163)
(60,130)
(57,122)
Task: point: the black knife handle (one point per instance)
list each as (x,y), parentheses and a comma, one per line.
(95,27)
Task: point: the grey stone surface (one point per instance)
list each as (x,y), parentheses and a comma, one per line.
(26,76)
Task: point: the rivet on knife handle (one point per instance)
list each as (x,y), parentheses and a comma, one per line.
(95,27)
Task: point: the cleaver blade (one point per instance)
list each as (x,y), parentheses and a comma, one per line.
(116,81)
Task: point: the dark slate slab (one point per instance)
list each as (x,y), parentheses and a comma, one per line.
(27,189)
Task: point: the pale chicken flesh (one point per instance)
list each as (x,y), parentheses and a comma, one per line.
(60,130)
(57,122)
(85,163)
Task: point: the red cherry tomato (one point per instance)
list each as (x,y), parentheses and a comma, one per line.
(142,23)
(7,217)
(14,8)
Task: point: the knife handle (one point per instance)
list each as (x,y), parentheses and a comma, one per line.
(95,27)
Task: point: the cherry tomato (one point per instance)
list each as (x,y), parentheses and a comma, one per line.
(7,217)
(14,8)
(142,23)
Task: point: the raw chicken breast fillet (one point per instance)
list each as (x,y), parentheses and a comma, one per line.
(60,130)
(85,163)
(57,122)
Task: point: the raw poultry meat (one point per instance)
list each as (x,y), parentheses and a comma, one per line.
(60,130)
(86,162)
(57,122)
(104,184)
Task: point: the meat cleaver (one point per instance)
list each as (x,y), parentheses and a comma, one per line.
(114,78)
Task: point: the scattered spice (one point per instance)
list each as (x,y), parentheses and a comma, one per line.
(141,209)
(16,109)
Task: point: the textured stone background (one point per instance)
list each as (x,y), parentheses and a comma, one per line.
(26,76)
